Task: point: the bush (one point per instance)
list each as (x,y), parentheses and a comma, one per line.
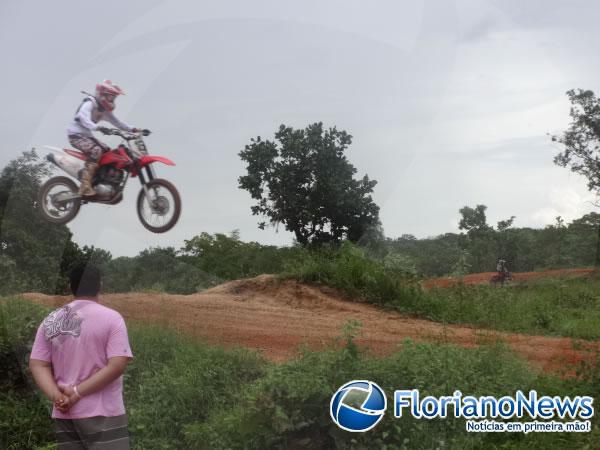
(288,407)
(24,413)
(348,268)
(174,381)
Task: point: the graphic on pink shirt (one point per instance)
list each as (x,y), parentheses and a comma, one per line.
(62,321)
(78,340)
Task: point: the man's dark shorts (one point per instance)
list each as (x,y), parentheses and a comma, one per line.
(94,433)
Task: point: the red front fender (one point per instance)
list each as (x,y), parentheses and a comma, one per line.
(145,160)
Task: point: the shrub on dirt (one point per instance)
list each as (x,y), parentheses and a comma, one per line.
(349,269)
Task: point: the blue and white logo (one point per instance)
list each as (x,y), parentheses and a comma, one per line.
(358,406)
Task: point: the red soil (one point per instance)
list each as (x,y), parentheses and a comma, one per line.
(277,317)
(485,277)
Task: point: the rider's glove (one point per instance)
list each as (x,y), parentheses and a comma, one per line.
(135,130)
(103,130)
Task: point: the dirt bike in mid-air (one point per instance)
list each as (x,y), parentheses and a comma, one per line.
(501,278)
(158,203)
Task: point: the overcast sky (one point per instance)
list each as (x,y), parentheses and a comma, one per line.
(449,102)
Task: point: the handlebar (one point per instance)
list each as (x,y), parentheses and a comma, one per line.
(126,136)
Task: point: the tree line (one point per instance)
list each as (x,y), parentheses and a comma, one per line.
(302,180)
(477,249)
(37,256)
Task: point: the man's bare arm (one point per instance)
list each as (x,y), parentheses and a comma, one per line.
(113,370)
(42,374)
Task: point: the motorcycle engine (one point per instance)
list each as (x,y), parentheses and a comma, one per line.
(108,180)
(110,175)
(104,191)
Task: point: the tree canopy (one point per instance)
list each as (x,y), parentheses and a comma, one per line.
(31,249)
(303,180)
(582,139)
(473,219)
(582,143)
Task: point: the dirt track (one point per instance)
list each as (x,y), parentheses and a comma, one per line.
(485,277)
(276,318)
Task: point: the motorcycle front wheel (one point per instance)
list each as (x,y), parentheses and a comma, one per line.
(159,210)
(58,200)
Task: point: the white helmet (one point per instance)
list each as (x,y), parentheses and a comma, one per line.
(106,92)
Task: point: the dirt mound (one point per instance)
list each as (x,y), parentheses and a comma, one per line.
(485,277)
(276,317)
(269,290)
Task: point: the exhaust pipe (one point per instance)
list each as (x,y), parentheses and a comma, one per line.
(50,158)
(73,166)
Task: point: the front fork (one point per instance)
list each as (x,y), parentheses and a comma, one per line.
(151,175)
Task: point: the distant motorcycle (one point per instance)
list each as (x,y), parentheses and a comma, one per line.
(158,203)
(501,278)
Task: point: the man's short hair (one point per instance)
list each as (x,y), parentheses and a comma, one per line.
(85,280)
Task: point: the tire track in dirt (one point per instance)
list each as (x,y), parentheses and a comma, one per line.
(276,317)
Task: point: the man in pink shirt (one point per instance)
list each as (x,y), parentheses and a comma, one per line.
(78,359)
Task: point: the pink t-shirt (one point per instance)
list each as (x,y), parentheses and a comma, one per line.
(78,339)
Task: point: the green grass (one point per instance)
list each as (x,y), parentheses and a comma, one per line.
(288,407)
(557,307)
(181,393)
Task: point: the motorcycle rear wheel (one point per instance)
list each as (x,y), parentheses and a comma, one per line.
(165,208)
(51,207)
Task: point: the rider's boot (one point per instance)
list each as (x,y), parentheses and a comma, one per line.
(86,189)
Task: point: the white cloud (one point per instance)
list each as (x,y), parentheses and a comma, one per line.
(568,203)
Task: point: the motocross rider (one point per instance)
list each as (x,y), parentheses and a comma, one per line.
(501,267)
(92,110)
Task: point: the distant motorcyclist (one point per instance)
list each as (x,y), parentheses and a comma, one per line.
(502,268)
(92,110)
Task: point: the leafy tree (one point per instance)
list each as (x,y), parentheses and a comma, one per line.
(400,264)
(503,239)
(74,255)
(218,254)
(31,249)
(432,256)
(473,219)
(582,139)
(551,242)
(157,269)
(522,250)
(462,265)
(227,257)
(582,143)
(505,224)
(480,244)
(373,240)
(580,232)
(304,180)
